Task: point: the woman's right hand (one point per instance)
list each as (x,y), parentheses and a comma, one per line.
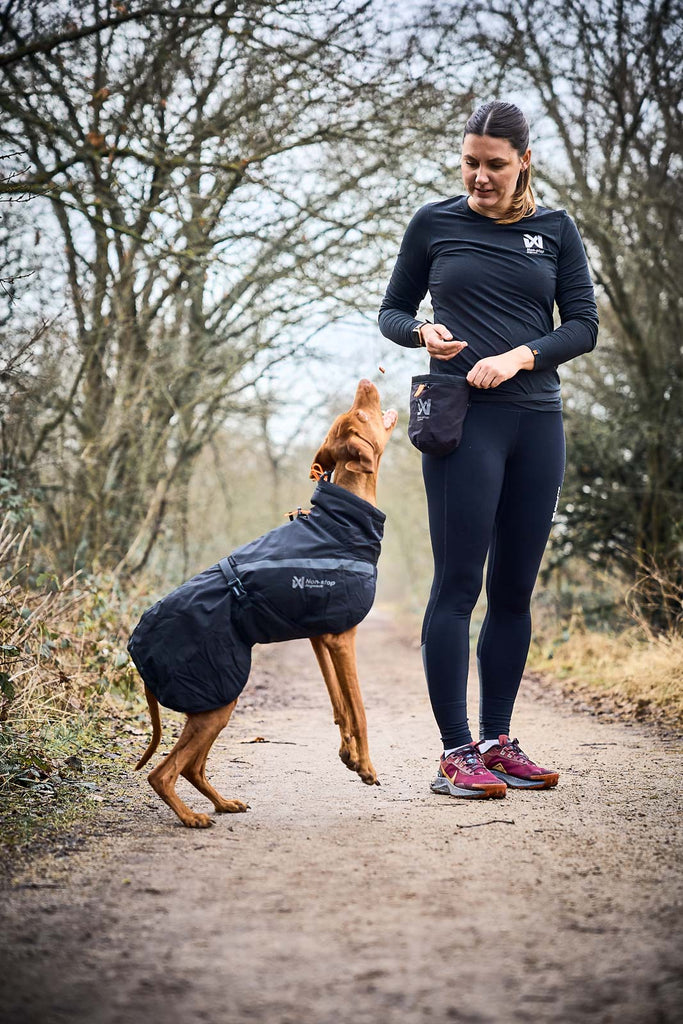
(438,341)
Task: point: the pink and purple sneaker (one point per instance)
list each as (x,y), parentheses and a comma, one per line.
(463,773)
(508,762)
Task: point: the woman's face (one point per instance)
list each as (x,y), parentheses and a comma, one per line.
(490,169)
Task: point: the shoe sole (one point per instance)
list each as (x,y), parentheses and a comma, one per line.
(545,782)
(445,787)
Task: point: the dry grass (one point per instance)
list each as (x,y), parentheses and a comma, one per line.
(62,642)
(594,632)
(66,688)
(634,671)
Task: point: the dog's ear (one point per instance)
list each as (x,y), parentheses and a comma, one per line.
(363,457)
(323,458)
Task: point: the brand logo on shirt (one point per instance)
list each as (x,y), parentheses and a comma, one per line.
(533,243)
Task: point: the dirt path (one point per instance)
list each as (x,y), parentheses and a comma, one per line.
(330,901)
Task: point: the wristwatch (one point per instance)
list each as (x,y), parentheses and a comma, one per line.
(419,343)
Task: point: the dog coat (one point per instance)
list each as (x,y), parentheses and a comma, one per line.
(314,575)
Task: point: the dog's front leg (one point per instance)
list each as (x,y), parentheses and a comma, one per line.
(342,651)
(348,751)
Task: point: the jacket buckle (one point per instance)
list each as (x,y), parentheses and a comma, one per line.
(234,582)
(301,513)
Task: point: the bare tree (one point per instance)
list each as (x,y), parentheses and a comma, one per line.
(208,178)
(601,82)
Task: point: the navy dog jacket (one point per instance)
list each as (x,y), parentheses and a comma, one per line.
(314,575)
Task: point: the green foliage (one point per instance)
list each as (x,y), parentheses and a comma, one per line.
(51,778)
(622,498)
(18,501)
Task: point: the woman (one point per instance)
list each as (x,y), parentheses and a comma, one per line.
(494,263)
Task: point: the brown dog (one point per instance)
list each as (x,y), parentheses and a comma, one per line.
(352,451)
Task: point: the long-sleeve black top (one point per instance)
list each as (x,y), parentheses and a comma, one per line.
(494,286)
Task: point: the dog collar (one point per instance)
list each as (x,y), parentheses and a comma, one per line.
(318,473)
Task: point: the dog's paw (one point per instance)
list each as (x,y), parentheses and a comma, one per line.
(348,759)
(231,807)
(195,820)
(369,777)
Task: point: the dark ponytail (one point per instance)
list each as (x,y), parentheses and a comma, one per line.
(506,121)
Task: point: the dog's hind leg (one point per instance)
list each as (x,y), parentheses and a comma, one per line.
(195,773)
(348,750)
(342,650)
(196,738)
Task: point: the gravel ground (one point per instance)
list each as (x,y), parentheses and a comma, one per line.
(331,901)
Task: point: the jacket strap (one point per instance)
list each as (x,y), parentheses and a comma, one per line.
(233,581)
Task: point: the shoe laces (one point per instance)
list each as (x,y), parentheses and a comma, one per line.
(471,756)
(517,751)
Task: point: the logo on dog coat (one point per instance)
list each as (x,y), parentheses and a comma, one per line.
(533,243)
(300,582)
(424,406)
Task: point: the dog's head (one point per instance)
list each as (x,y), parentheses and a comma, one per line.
(357,438)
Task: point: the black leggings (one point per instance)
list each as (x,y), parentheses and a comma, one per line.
(496,493)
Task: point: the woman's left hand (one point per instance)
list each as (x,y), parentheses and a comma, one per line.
(492,371)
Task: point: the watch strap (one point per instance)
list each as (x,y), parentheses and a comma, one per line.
(416,332)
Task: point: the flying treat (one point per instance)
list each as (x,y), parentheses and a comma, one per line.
(382,370)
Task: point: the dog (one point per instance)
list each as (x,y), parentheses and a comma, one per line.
(314,577)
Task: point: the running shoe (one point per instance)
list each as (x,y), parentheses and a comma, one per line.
(508,762)
(463,773)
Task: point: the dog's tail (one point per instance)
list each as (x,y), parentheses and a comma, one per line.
(153,705)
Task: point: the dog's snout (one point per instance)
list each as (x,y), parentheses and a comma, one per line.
(366,390)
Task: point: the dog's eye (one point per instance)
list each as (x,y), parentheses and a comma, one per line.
(362,416)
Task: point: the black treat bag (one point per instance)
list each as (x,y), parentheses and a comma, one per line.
(438,405)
